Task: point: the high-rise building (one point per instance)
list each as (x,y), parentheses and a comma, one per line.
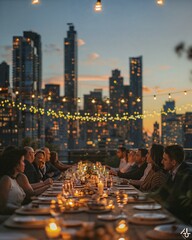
(26,77)
(70,70)
(8,128)
(188,130)
(171,124)
(36,38)
(156,134)
(4,75)
(116,93)
(136,100)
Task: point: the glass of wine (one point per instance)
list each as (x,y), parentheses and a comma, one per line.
(122,199)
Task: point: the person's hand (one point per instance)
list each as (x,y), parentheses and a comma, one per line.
(48,181)
(112,172)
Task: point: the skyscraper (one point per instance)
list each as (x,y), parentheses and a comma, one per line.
(136,100)
(116,92)
(70,70)
(4,75)
(171,124)
(26,77)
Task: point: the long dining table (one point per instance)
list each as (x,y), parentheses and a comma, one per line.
(137,219)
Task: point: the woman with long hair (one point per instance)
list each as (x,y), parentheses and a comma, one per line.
(156,176)
(11,194)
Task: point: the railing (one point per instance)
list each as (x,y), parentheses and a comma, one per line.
(94,155)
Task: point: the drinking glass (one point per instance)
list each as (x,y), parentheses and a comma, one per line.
(122,199)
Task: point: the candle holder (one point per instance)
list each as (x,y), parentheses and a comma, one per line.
(122,226)
(52,229)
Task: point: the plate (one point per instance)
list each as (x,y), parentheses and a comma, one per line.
(71,223)
(33,211)
(148,207)
(124,187)
(15,236)
(30,219)
(150,216)
(108,217)
(47,199)
(172,229)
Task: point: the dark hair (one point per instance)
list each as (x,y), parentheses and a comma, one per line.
(9,148)
(175,152)
(143,151)
(53,156)
(123,149)
(156,153)
(10,160)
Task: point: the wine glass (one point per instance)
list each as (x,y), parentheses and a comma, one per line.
(55,209)
(122,199)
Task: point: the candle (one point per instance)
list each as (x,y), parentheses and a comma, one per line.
(122,227)
(100,188)
(52,229)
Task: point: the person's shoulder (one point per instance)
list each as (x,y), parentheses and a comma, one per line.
(5,179)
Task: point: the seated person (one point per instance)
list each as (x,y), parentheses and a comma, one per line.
(138,170)
(56,163)
(11,194)
(122,156)
(156,176)
(174,194)
(49,170)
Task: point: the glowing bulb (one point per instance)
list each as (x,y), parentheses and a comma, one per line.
(169,95)
(185,92)
(98,6)
(78,100)
(155,97)
(49,98)
(35,2)
(138,99)
(122,100)
(107,101)
(160,2)
(93,100)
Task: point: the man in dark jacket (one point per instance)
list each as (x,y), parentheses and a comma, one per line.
(173,194)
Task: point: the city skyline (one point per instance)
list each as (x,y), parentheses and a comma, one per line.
(143,29)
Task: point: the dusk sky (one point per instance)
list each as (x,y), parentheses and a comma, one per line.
(125,28)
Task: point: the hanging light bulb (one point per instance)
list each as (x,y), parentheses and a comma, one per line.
(98,6)
(185,92)
(160,2)
(169,95)
(78,100)
(155,97)
(35,2)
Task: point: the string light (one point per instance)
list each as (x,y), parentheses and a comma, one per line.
(160,2)
(86,116)
(98,6)
(35,2)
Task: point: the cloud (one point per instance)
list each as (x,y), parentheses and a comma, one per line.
(164,68)
(93,78)
(147,89)
(52,48)
(80,42)
(54,80)
(93,56)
